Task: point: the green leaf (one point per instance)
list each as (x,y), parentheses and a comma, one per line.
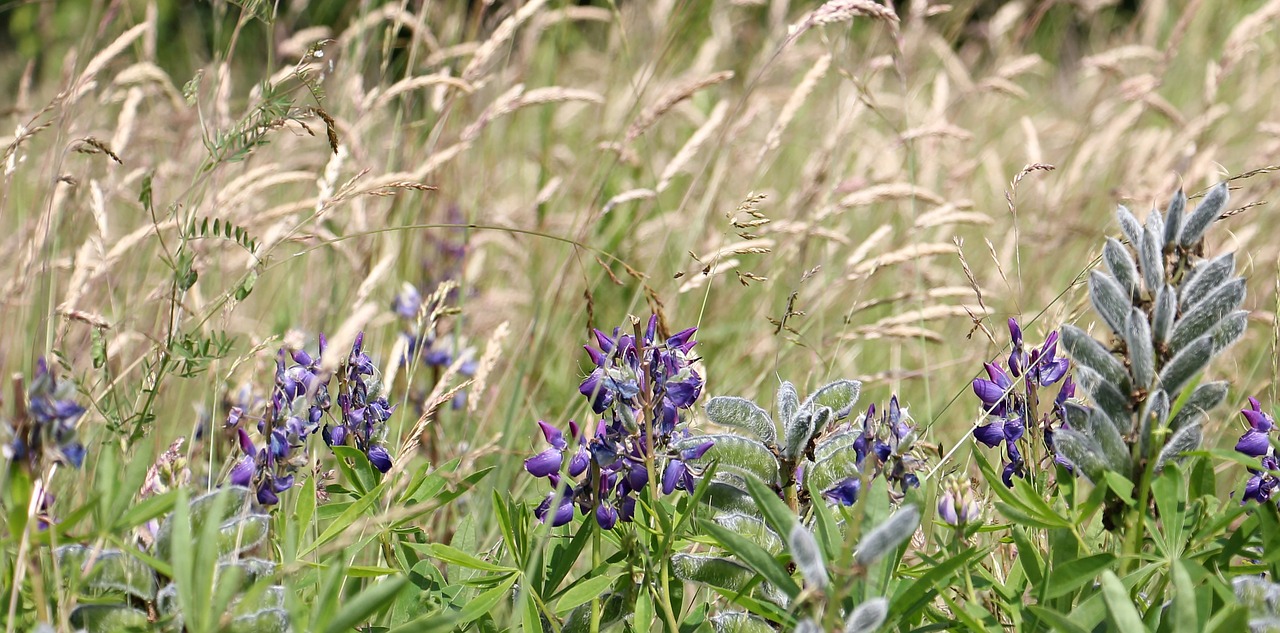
(1058,621)
(776,513)
(1065,579)
(458,557)
(839,396)
(485,602)
(1185,618)
(715,571)
(737,454)
(583,592)
(148,509)
(740,413)
(1028,556)
(344,521)
(754,557)
(1123,615)
(365,604)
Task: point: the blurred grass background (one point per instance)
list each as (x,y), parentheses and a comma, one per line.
(591,159)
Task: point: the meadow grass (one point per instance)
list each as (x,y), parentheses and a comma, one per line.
(825,195)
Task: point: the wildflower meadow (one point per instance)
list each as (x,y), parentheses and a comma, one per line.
(639,315)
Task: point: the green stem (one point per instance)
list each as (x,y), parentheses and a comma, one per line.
(1135,526)
(596,559)
(664,593)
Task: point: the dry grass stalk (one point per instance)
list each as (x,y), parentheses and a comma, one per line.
(1240,43)
(485,54)
(977,292)
(99,61)
(937,130)
(868,244)
(489,360)
(930,313)
(628,196)
(670,99)
(340,342)
(908,253)
(1013,185)
(836,11)
(91,145)
(396,15)
(873,332)
(695,142)
(887,192)
(90,318)
(792,107)
(947,214)
(376,100)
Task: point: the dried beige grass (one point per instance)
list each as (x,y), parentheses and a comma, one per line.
(377,99)
(479,64)
(930,313)
(489,360)
(888,192)
(792,107)
(397,16)
(628,196)
(691,147)
(104,57)
(670,99)
(908,253)
(872,241)
(836,11)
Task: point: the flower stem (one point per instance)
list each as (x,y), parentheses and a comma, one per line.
(664,592)
(596,560)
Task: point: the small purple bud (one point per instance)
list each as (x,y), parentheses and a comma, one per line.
(606,516)
(947,508)
(242,472)
(380,458)
(545,463)
(553,435)
(246,444)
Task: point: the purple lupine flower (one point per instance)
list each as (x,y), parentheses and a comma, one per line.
(363,415)
(1255,442)
(678,475)
(1263,483)
(50,423)
(550,461)
(844,493)
(956,505)
(886,439)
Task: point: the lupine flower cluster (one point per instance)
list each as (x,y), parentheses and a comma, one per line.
(888,440)
(1011,399)
(47,425)
(438,352)
(956,505)
(300,402)
(642,388)
(1256,442)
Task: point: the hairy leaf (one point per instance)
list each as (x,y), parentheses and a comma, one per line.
(1151,259)
(1121,265)
(807,556)
(887,536)
(109,618)
(1082,451)
(737,454)
(728,493)
(1196,322)
(1206,397)
(1142,356)
(739,622)
(807,625)
(1104,394)
(797,433)
(837,466)
(867,617)
(1204,215)
(1173,218)
(112,571)
(834,442)
(1184,439)
(1129,225)
(1102,430)
(751,528)
(1228,331)
(740,413)
(1205,278)
(839,396)
(1109,300)
(1087,351)
(1155,412)
(1164,313)
(716,571)
(1186,364)
(787,402)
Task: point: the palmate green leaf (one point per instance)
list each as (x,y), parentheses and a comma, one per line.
(1058,621)
(146,510)
(642,619)
(736,454)
(583,592)
(910,595)
(1185,617)
(1087,351)
(486,601)
(776,514)
(1120,610)
(824,524)
(455,556)
(1014,506)
(365,604)
(740,413)
(753,556)
(1067,578)
(1170,493)
(839,396)
(357,509)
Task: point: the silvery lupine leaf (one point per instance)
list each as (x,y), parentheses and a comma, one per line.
(887,536)
(787,403)
(1205,398)
(1142,356)
(1154,415)
(839,396)
(1087,351)
(1200,319)
(579,620)
(797,434)
(1151,260)
(727,493)
(1082,451)
(1186,364)
(808,626)
(1205,278)
(836,441)
(739,622)
(868,617)
(247,571)
(1155,224)
(1204,215)
(264,621)
(113,571)
(1258,595)
(808,558)
(740,413)
(1102,430)
(1129,225)
(1228,330)
(752,529)
(839,465)
(1104,394)
(1121,265)
(1076,414)
(1184,439)
(259,601)
(736,454)
(712,570)
(1109,300)
(104,618)
(1164,313)
(1173,218)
